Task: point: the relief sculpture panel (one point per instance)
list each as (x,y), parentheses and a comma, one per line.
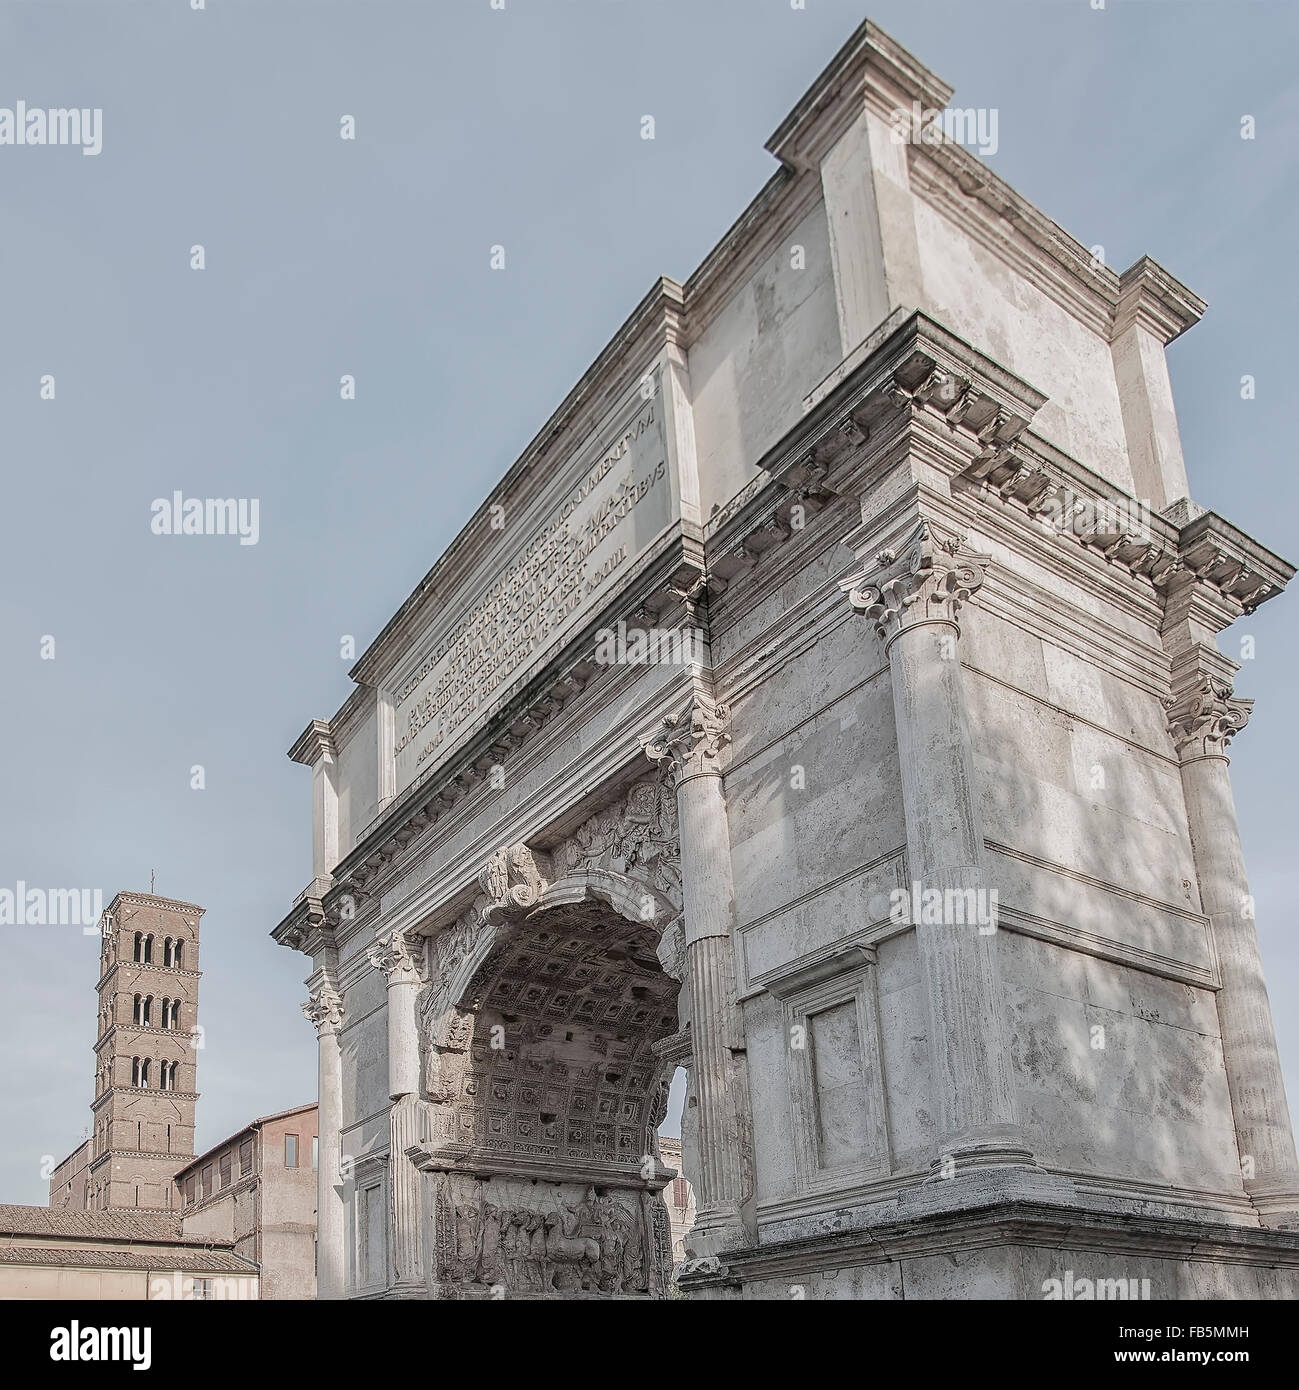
(500,1235)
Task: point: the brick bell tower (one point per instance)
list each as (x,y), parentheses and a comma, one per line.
(146,1053)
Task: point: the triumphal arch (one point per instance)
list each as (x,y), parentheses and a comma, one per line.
(829,702)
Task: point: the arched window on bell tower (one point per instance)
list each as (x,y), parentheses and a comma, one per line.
(139,946)
(177,950)
(148,949)
(137,1015)
(147,1011)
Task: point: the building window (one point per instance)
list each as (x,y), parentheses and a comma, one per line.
(245,1158)
(146,1016)
(139,947)
(225,1169)
(680,1193)
(207,1180)
(147,958)
(203,1290)
(137,1016)
(189,1190)
(315,1152)
(177,947)
(290,1150)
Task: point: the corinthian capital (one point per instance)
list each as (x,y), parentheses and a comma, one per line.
(1205,717)
(691,742)
(925,580)
(398,958)
(324,1008)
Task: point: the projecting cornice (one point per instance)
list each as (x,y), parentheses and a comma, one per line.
(1151,297)
(306,926)
(915,386)
(152,900)
(1219,555)
(315,741)
(871,69)
(916,371)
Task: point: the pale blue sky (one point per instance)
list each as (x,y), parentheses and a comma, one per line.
(474,127)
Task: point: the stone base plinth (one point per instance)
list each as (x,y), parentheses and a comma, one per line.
(1012,1250)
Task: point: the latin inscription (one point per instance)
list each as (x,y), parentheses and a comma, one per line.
(621,502)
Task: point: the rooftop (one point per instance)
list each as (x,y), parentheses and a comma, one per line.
(141,1227)
(188,1262)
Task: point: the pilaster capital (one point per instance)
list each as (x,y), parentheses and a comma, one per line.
(324,1009)
(1204,717)
(689,744)
(925,579)
(399,959)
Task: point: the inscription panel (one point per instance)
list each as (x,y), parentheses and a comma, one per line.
(617,500)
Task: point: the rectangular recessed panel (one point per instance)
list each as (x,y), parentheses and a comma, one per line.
(840,1087)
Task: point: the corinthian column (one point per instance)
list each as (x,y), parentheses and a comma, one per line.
(396,957)
(1203,717)
(912,595)
(325,1010)
(688,748)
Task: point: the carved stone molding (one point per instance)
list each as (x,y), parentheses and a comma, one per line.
(925,580)
(324,1009)
(690,743)
(512,880)
(1205,717)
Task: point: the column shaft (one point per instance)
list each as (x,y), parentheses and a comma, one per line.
(1249,1050)
(970,1069)
(689,746)
(330,1279)
(913,593)
(397,958)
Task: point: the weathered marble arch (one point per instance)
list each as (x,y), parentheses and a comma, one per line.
(918,497)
